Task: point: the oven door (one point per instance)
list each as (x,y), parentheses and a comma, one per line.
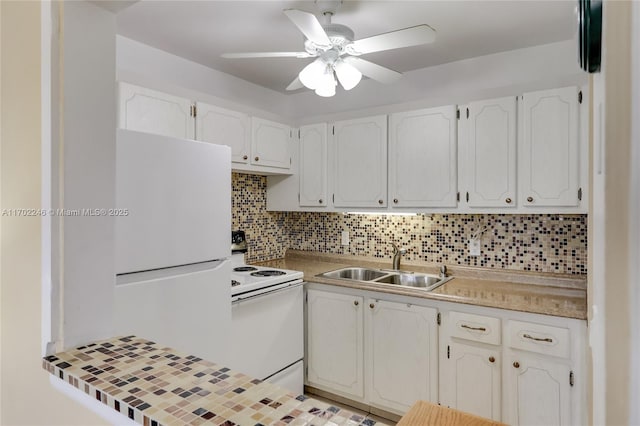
(267,331)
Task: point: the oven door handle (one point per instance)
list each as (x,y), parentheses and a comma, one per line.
(266,293)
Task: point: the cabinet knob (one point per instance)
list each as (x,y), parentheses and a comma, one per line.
(257,158)
(320,201)
(516,364)
(508,200)
(372,305)
(395,201)
(380,202)
(530,199)
(356,303)
(492,359)
(244,157)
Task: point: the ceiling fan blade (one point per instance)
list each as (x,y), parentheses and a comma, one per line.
(268,55)
(295,84)
(309,25)
(413,36)
(373,71)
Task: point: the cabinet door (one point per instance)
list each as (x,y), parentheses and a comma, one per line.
(402,355)
(150,111)
(491,153)
(549,156)
(538,391)
(224,127)
(270,144)
(360,162)
(313,165)
(422,158)
(335,342)
(473,375)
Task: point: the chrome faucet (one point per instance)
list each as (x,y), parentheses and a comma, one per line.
(443,272)
(397,254)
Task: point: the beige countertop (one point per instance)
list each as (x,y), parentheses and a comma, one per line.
(540,293)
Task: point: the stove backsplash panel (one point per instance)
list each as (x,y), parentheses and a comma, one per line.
(537,242)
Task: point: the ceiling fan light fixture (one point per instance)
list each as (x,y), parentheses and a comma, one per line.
(311,75)
(327,86)
(348,75)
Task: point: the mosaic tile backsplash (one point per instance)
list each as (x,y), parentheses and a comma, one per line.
(540,242)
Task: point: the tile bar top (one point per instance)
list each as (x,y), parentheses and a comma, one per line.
(156,385)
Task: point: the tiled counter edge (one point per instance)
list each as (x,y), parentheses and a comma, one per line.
(156,385)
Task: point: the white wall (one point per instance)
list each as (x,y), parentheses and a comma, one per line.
(26,397)
(500,74)
(88,180)
(153,68)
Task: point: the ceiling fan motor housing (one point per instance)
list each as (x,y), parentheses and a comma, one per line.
(339,35)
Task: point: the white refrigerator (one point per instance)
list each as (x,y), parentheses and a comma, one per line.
(173,233)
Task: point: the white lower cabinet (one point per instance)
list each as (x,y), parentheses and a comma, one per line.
(335,352)
(389,351)
(402,354)
(538,390)
(474,380)
(471,376)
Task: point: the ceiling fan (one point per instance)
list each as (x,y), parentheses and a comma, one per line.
(337,52)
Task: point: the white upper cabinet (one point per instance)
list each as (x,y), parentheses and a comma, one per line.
(549,152)
(490,160)
(224,127)
(313,165)
(150,111)
(423,158)
(270,144)
(360,162)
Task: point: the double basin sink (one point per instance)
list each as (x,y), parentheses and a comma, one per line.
(407,279)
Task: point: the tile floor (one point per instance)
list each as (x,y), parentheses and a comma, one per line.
(380,421)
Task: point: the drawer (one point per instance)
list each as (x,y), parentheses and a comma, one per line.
(475,327)
(543,339)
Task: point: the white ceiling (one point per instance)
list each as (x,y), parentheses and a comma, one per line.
(202,30)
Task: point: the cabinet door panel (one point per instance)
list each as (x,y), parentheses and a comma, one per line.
(422,158)
(270,144)
(539,391)
(549,157)
(150,111)
(335,351)
(360,162)
(224,127)
(313,165)
(402,354)
(476,380)
(491,153)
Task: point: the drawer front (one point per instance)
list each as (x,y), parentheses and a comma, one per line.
(477,328)
(539,338)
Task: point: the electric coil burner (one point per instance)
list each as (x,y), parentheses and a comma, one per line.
(268,273)
(245,269)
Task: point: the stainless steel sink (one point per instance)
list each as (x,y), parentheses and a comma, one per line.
(407,279)
(428,282)
(360,274)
